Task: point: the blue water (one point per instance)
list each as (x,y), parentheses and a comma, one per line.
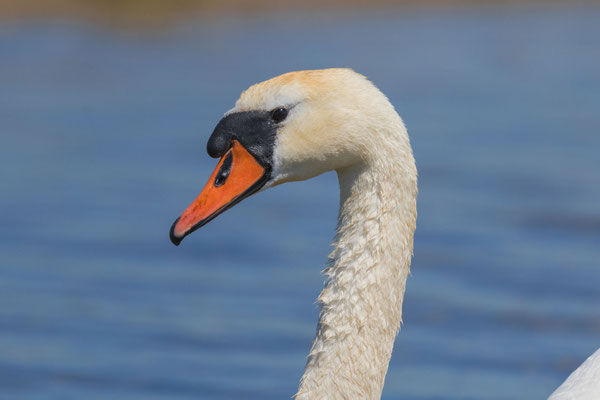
(102,142)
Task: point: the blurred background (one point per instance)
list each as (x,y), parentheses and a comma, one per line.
(105,109)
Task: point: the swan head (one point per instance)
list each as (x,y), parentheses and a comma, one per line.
(289,128)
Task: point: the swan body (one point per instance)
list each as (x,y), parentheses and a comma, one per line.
(583,383)
(297,126)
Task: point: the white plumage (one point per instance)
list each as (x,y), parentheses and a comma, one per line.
(583,383)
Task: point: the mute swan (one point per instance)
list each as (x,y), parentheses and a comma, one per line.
(297,126)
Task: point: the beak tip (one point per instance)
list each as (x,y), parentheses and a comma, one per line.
(174,238)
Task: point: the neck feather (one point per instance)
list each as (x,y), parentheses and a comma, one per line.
(361,304)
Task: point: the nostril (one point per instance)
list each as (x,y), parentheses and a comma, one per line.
(224,171)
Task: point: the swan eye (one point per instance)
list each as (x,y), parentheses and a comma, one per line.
(279,114)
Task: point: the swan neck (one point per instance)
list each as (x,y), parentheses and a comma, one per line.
(361,304)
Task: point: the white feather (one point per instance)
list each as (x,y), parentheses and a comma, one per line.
(583,383)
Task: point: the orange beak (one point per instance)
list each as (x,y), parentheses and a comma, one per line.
(237,176)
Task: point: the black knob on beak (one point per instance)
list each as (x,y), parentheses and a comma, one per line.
(220,140)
